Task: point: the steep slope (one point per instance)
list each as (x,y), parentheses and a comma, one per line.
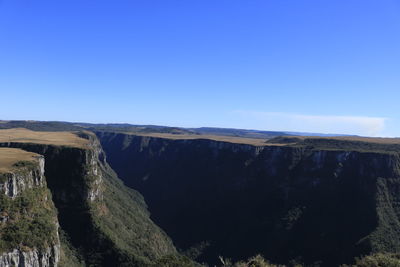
(318,201)
(28,218)
(102,222)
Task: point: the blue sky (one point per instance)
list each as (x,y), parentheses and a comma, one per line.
(299,65)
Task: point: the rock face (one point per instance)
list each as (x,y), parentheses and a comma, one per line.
(18,181)
(94,159)
(32,258)
(27,181)
(306,203)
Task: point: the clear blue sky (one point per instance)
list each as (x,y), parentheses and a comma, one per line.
(299,65)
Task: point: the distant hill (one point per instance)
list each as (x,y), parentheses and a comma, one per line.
(238,132)
(126,127)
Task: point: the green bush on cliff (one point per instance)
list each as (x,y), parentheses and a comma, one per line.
(122,221)
(256,261)
(29,220)
(377,260)
(24,163)
(175,261)
(69,257)
(349,145)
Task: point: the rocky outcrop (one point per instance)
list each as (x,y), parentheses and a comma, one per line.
(26,182)
(80,164)
(32,258)
(23,178)
(94,158)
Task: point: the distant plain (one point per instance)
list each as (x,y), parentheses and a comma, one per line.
(21,135)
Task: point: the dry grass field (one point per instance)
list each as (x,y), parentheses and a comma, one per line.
(262,142)
(230,139)
(10,156)
(22,135)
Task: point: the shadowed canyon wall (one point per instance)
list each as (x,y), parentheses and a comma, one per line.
(288,202)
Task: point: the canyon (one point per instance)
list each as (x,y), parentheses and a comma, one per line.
(98,196)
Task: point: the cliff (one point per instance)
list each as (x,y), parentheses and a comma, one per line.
(28,219)
(102,222)
(22,178)
(315,201)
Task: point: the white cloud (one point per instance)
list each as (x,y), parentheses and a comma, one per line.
(358,125)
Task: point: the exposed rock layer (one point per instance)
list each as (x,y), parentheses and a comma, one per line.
(17,183)
(32,258)
(19,180)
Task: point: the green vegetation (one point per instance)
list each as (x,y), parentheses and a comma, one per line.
(175,261)
(24,164)
(29,220)
(385,236)
(373,260)
(113,230)
(122,218)
(349,145)
(377,260)
(378,145)
(69,257)
(256,261)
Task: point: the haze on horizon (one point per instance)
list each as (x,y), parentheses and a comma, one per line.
(296,65)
